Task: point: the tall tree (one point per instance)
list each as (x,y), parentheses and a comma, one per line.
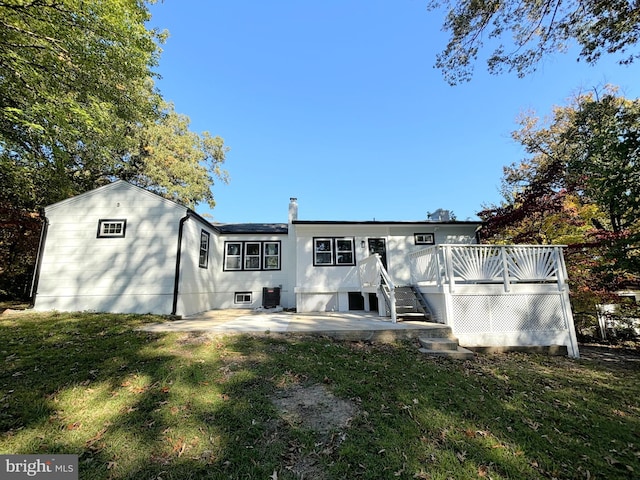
(538,28)
(78,108)
(579,185)
(175,162)
(75,78)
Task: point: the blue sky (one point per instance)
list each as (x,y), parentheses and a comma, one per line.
(337,103)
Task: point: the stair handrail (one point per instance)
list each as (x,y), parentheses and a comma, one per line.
(386,279)
(373,274)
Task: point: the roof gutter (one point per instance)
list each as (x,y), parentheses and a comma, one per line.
(176,278)
(36,272)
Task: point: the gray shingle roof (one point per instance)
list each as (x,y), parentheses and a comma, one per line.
(272,228)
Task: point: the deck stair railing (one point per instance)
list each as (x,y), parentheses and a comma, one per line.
(505,264)
(374,278)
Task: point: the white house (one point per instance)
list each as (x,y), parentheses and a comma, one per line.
(120,248)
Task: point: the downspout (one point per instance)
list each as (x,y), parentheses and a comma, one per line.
(36,273)
(176,280)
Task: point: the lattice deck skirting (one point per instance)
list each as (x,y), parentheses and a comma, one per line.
(508,313)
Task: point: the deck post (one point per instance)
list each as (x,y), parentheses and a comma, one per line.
(505,269)
(448,262)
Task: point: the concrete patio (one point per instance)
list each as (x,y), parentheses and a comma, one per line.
(353,325)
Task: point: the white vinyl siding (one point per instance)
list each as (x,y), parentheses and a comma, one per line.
(130,268)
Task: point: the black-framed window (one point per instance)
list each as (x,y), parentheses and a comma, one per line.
(233,256)
(243,298)
(204,249)
(251,255)
(271,256)
(112,228)
(424,238)
(331,251)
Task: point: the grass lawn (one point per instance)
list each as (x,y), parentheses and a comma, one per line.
(136,405)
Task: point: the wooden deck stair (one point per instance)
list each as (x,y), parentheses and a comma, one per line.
(410,305)
(437,341)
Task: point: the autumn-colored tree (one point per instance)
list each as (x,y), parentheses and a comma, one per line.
(579,186)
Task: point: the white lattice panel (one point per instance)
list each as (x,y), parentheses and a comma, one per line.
(507,313)
(471,313)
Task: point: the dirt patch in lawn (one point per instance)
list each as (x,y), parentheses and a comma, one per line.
(314,408)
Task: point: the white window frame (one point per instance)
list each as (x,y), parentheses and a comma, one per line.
(341,252)
(252,258)
(322,246)
(245,262)
(112,228)
(205,241)
(424,238)
(267,256)
(243,298)
(335,255)
(238,256)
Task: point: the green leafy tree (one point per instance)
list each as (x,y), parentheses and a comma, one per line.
(75,81)
(78,109)
(538,28)
(174,162)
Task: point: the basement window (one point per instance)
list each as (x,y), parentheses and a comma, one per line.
(243,298)
(108,228)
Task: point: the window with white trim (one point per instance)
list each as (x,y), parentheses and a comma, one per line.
(271,256)
(424,238)
(204,249)
(243,298)
(233,256)
(109,228)
(333,251)
(252,255)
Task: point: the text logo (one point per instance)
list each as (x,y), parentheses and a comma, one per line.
(44,467)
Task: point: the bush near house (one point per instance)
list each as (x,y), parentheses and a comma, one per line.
(19,239)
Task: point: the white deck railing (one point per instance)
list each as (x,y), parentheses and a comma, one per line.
(472,264)
(375,278)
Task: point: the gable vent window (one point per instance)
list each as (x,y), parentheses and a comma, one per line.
(111,228)
(204,249)
(424,239)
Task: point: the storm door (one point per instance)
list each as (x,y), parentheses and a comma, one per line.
(379,246)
